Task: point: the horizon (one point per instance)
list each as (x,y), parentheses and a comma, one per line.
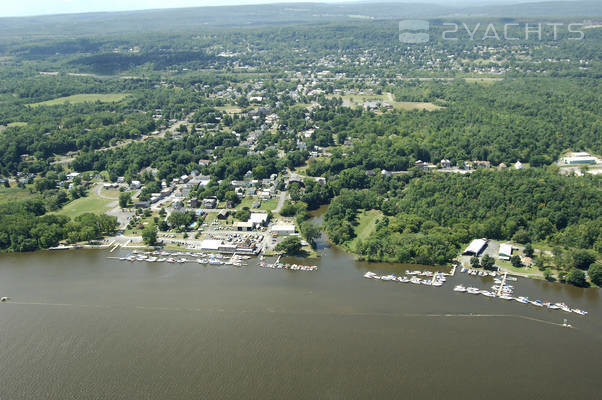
(33,8)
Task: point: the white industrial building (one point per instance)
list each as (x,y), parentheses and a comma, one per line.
(475,247)
(285,229)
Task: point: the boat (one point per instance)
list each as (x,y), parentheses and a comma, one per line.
(537,303)
(437,283)
(369,275)
(578,311)
(473,290)
(521,299)
(506,297)
(487,293)
(415,281)
(403,279)
(459,288)
(4,299)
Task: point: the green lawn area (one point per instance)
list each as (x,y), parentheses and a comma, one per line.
(17,124)
(92,203)
(531,271)
(357,100)
(82,98)
(269,205)
(366,225)
(13,193)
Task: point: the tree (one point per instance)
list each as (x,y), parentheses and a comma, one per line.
(475,262)
(310,232)
(124,199)
(291,245)
(576,277)
(149,235)
(488,262)
(243,214)
(582,259)
(548,275)
(595,274)
(516,262)
(529,252)
(179,219)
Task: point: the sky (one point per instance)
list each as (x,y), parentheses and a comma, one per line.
(14,8)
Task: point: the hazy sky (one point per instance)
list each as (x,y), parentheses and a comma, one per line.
(39,7)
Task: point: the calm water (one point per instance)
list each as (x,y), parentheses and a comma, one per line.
(81,326)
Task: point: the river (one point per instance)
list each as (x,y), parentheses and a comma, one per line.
(82,326)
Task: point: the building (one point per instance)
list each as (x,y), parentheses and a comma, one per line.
(258,219)
(475,247)
(223,214)
(285,229)
(579,160)
(445,163)
(244,226)
(519,165)
(505,251)
(210,202)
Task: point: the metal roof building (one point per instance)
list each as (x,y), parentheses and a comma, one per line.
(505,251)
(475,247)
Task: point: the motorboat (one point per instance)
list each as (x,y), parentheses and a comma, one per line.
(4,299)
(369,275)
(537,303)
(473,290)
(487,293)
(575,310)
(506,297)
(459,288)
(521,299)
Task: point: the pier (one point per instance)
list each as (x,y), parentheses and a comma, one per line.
(499,291)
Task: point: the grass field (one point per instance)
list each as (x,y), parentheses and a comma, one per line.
(357,100)
(365,227)
(92,203)
(17,124)
(82,98)
(8,195)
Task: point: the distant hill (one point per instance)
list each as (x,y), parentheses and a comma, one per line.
(181,19)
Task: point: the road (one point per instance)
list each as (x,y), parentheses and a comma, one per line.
(281,201)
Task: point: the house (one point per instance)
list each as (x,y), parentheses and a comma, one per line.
(285,229)
(502,166)
(505,251)
(475,247)
(482,164)
(120,179)
(223,214)
(142,204)
(194,203)
(72,175)
(135,185)
(519,165)
(445,163)
(204,163)
(210,202)
(386,174)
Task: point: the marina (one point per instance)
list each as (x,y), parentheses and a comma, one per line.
(81,310)
(503,291)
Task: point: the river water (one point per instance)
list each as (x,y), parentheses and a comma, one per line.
(82,326)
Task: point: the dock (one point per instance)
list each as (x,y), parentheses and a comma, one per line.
(499,291)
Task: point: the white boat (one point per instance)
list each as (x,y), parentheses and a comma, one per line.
(3,299)
(521,299)
(487,293)
(369,275)
(506,297)
(473,290)
(459,288)
(437,283)
(578,311)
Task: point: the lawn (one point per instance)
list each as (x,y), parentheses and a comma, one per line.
(365,227)
(531,271)
(82,98)
(92,203)
(357,100)
(269,205)
(14,193)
